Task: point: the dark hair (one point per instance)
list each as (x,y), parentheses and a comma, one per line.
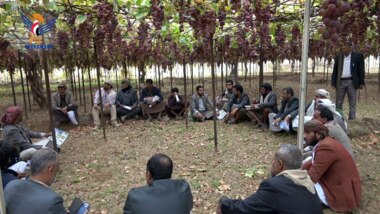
(230,81)
(149,81)
(238,87)
(160,166)
(290,155)
(5,154)
(174,90)
(42,159)
(288,90)
(198,87)
(267,86)
(325,113)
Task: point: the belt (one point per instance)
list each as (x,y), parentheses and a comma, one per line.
(346,78)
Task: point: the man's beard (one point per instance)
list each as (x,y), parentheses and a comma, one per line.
(314,141)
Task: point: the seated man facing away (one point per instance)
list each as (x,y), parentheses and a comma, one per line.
(107,101)
(325,116)
(332,170)
(201,107)
(310,108)
(268,104)
(282,120)
(64,106)
(151,101)
(236,106)
(289,190)
(162,195)
(35,195)
(225,97)
(176,104)
(18,135)
(127,102)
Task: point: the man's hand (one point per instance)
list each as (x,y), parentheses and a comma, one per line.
(277,121)
(233,112)
(361,86)
(64,110)
(256,106)
(287,118)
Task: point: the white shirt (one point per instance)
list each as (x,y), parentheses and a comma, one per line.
(347,66)
(107,97)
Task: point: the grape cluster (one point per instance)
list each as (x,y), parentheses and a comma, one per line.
(3,44)
(203,23)
(280,38)
(331,11)
(157,12)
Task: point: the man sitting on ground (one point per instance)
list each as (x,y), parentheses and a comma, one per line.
(325,116)
(176,104)
(6,153)
(108,103)
(289,190)
(162,195)
(201,107)
(282,120)
(236,106)
(151,101)
(35,195)
(337,116)
(127,101)
(268,104)
(225,97)
(332,170)
(310,108)
(64,106)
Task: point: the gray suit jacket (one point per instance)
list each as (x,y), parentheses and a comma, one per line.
(164,196)
(56,100)
(27,196)
(195,100)
(20,136)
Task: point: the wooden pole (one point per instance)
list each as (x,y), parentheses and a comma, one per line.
(213,94)
(2,201)
(100,91)
(89,79)
(79,87)
(48,94)
(192,77)
(185,90)
(27,86)
(22,84)
(13,88)
(84,91)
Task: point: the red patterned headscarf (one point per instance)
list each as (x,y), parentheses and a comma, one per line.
(11,114)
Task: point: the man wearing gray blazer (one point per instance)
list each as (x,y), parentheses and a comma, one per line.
(162,195)
(35,194)
(201,107)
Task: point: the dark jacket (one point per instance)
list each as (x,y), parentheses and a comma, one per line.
(28,196)
(239,102)
(172,102)
(56,100)
(194,104)
(287,107)
(127,98)
(20,136)
(357,70)
(151,93)
(162,197)
(7,176)
(272,103)
(278,194)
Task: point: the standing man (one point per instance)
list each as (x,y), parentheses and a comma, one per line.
(151,100)
(64,106)
(108,102)
(126,101)
(349,79)
(201,107)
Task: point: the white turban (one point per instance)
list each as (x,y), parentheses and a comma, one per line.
(322,93)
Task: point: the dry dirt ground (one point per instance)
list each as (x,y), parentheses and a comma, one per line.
(102,171)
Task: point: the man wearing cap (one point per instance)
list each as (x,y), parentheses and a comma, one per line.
(332,170)
(267,104)
(349,79)
(64,105)
(108,97)
(309,109)
(127,101)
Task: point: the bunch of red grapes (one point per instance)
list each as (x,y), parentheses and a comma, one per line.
(331,11)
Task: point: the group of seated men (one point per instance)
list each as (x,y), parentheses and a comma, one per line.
(294,185)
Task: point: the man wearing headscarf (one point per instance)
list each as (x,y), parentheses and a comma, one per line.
(16,134)
(332,170)
(310,108)
(267,104)
(64,106)
(108,97)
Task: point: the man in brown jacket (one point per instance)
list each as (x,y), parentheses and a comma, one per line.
(332,170)
(64,106)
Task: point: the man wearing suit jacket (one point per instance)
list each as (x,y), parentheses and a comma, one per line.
(289,190)
(35,194)
(200,105)
(349,79)
(162,195)
(332,170)
(64,106)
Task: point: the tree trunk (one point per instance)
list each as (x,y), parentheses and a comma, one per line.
(79,88)
(13,88)
(22,84)
(192,77)
(84,91)
(34,78)
(313,68)
(246,71)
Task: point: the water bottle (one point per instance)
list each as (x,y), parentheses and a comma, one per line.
(84,208)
